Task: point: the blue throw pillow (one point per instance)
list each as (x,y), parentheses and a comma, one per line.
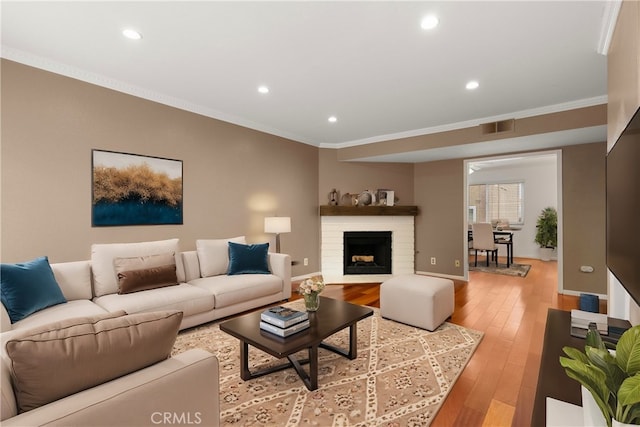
(28,287)
(248,259)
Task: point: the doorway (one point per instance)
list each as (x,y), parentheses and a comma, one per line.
(538,176)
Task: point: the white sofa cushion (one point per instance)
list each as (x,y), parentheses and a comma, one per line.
(76,308)
(74,279)
(230,290)
(184,297)
(213,255)
(103,255)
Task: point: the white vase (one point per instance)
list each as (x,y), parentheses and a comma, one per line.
(615,423)
(546,253)
(591,413)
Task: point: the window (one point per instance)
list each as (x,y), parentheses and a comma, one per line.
(497,202)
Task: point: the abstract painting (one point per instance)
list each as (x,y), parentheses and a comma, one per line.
(131,189)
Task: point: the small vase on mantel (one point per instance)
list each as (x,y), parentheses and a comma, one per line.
(615,423)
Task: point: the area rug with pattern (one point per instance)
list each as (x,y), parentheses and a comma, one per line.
(400,378)
(519,270)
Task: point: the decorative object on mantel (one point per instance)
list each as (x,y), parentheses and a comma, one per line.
(349,199)
(334,196)
(612,378)
(385,197)
(366,198)
(391,198)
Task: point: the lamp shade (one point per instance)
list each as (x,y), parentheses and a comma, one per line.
(277,224)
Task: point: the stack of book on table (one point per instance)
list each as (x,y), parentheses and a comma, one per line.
(283,321)
(580,321)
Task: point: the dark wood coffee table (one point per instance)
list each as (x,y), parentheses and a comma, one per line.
(331,317)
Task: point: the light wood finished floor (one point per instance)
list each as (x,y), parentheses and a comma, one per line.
(497,388)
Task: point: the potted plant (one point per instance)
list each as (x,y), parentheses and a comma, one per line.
(547,232)
(612,378)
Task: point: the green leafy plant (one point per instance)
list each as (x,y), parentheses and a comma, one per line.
(547,228)
(613,379)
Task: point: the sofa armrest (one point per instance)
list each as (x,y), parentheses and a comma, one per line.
(182,390)
(280,265)
(5,320)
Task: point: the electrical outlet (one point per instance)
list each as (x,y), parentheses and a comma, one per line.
(433,260)
(457,263)
(306,261)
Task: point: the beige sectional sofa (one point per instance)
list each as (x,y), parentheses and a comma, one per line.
(204,292)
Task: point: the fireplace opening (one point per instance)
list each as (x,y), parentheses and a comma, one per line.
(367,252)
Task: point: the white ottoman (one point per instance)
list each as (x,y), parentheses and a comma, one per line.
(421,301)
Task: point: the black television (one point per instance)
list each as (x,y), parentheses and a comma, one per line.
(623,208)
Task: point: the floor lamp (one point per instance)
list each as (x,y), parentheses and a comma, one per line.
(277,225)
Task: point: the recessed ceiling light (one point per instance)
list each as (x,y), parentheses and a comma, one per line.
(429,22)
(131,34)
(333,119)
(472,85)
(263,89)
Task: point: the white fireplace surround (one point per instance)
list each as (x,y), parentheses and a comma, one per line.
(332,251)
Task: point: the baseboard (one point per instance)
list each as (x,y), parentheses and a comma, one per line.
(577,294)
(446,276)
(305,276)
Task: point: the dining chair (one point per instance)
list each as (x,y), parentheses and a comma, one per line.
(483,241)
(504,239)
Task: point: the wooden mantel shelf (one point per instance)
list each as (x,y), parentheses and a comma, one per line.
(327,210)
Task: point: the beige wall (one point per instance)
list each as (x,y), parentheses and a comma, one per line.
(355,177)
(584,217)
(439,227)
(233,176)
(623,70)
(440,231)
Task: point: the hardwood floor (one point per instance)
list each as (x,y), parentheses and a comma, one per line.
(497,387)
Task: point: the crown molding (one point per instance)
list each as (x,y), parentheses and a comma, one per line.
(609,19)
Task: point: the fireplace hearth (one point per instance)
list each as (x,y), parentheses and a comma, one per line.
(367,252)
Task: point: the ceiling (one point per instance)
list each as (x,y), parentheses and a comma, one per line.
(369,64)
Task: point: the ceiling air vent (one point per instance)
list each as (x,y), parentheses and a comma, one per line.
(498,127)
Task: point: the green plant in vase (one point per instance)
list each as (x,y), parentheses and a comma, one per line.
(612,378)
(547,228)
(547,232)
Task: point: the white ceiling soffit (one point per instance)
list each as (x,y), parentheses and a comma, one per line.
(368,63)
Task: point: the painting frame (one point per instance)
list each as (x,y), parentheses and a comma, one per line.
(135,189)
